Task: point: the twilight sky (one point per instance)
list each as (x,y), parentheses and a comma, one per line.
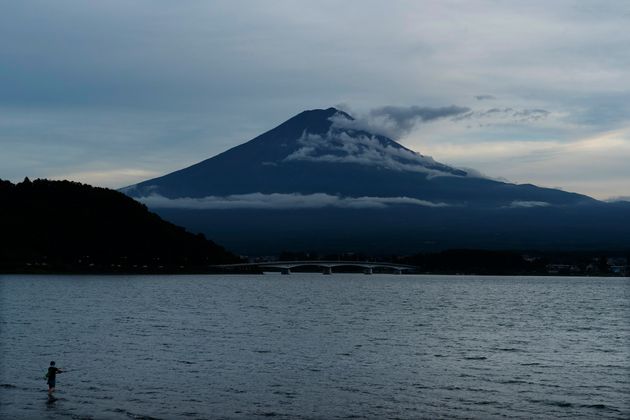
(116,92)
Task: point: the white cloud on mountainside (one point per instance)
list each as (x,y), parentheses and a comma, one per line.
(528,204)
(281,201)
(340,147)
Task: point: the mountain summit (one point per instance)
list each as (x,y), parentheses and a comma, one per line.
(324,181)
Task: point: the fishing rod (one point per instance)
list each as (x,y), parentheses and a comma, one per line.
(63,371)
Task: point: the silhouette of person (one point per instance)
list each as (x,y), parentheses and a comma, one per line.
(51,377)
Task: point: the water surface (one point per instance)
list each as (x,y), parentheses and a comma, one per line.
(313,346)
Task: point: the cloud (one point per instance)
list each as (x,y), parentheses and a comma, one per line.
(528,204)
(408,116)
(397,121)
(504,115)
(617,199)
(340,146)
(531,114)
(227,72)
(596,165)
(484,97)
(109,148)
(278,201)
(109,178)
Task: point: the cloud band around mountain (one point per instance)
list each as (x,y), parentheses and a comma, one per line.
(279,201)
(527,204)
(339,146)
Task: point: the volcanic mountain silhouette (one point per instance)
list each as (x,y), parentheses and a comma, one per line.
(315,153)
(321,181)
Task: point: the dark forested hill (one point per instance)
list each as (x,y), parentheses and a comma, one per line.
(68,226)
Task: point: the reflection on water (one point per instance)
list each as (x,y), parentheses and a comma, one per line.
(306,345)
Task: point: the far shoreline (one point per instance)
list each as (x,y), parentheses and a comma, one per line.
(297,273)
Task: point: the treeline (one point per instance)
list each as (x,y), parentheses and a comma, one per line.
(473,261)
(489,262)
(63,226)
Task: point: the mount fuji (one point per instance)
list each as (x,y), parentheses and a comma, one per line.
(323,181)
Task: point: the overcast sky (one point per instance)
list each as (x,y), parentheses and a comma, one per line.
(116,92)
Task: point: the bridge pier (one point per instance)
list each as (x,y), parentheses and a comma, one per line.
(398,271)
(285,270)
(367,270)
(327,270)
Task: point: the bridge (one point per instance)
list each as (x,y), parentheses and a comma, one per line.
(326,267)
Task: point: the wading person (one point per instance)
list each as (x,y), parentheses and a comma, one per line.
(51,376)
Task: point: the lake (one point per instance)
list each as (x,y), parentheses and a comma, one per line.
(314,346)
